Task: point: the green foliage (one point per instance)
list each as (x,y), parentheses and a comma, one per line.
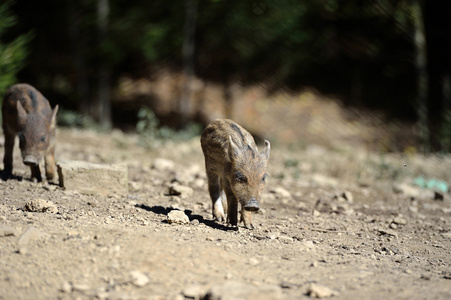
(13,53)
(432,184)
(70,118)
(153,135)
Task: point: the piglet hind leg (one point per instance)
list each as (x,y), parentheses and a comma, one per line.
(214,189)
(232,210)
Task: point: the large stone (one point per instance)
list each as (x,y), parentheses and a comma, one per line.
(93,179)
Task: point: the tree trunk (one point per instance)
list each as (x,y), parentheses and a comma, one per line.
(102,107)
(184,107)
(422,74)
(82,85)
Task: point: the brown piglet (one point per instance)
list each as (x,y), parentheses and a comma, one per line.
(236,171)
(27,113)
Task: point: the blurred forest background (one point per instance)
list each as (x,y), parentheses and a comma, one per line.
(360,73)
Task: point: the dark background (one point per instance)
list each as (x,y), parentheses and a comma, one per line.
(367,54)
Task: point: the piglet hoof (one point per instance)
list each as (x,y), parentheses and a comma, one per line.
(233,227)
(249,226)
(5,175)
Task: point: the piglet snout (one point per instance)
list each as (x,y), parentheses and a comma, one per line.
(252,205)
(30,160)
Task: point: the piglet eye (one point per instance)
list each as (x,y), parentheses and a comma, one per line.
(239,177)
(42,139)
(21,137)
(264,178)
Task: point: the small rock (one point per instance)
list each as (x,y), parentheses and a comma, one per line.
(285,239)
(195,222)
(50,187)
(320,291)
(400,221)
(194,292)
(162,164)
(425,276)
(41,205)
(348,196)
(393,226)
(343,209)
(6,230)
(66,287)
(413,209)
(134,186)
(176,189)
(177,217)
(23,250)
(387,232)
(316,213)
(139,278)
(253,261)
(80,287)
(308,244)
(280,192)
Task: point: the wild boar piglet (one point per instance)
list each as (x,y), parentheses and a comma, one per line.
(27,113)
(236,171)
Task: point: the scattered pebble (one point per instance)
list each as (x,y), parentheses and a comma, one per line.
(280,192)
(285,239)
(139,278)
(308,244)
(348,196)
(41,205)
(80,287)
(176,189)
(400,220)
(177,217)
(66,287)
(162,164)
(320,291)
(194,291)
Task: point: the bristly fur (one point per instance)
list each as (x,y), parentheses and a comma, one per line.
(27,113)
(234,166)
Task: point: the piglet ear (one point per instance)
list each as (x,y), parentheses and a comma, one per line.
(53,117)
(233,149)
(21,114)
(266,150)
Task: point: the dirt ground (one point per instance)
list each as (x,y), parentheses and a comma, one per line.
(343,224)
